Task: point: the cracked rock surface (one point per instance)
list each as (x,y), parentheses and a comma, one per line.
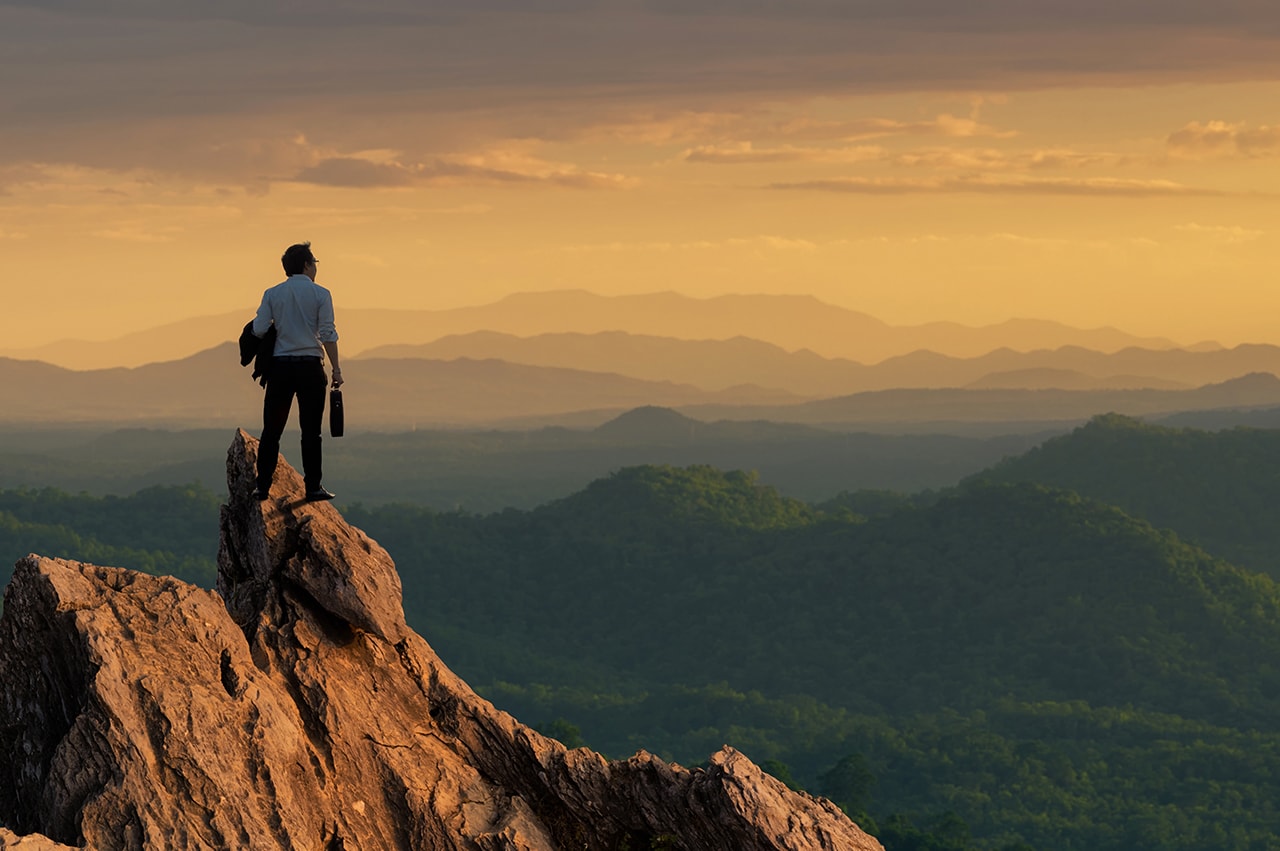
(295,709)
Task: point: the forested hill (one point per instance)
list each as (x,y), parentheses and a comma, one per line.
(165,529)
(997,591)
(1219,489)
(1059,674)
(651,497)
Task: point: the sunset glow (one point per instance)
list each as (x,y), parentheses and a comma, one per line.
(1097,166)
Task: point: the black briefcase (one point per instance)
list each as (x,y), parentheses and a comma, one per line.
(336,420)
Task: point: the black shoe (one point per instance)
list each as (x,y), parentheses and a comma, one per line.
(260,494)
(318,495)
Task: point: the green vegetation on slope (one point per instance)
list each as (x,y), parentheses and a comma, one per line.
(1013,589)
(1057,776)
(1045,667)
(1219,489)
(161,530)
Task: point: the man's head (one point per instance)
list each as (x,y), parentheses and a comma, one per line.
(298,260)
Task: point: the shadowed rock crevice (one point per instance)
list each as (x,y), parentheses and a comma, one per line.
(295,709)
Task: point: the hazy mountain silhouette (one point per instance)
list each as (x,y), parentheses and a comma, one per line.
(889,407)
(208,387)
(791,322)
(717,364)
(1047,378)
(650,422)
(710,364)
(211,388)
(1154,367)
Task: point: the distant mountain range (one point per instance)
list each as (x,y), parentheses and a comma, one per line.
(889,408)
(211,389)
(793,323)
(721,364)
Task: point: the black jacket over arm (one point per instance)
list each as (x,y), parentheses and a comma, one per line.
(260,350)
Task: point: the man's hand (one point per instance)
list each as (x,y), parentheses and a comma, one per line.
(331,351)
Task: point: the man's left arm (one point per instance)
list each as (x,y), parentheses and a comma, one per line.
(331,350)
(328,334)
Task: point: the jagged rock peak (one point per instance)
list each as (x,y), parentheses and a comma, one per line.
(140,712)
(287,544)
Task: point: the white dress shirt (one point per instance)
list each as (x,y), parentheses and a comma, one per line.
(302,312)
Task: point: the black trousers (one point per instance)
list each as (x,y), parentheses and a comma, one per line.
(306,380)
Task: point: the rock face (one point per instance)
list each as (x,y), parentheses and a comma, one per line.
(296,710)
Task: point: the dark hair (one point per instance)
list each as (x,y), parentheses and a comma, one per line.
(296,258)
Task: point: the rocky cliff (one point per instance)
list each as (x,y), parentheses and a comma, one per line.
(294,709)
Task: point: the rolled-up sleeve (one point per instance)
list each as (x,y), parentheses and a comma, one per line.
(262,321)
(326,332)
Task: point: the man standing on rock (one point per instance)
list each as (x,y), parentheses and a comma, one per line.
(302,312)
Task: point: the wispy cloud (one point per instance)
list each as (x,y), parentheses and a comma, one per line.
(861,129)
(656,127)
(1209,139)
(944,125)
(1097,186)
(773,243)
(1228,234)
(991,159)
(359,172)
(353,173)
(722,135)
(139,232)
(737,153)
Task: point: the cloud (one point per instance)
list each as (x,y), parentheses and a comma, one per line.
(991,159)
(657,126)
(987,184)
(16,177)
(961,159)
(1060,244)
(349,172)
(138,232)
(351,69)
(861,129)
(745,152)
(945,125)
(1228,234)
(380,170)
(1210,139)
(774,243)
(782,244)
(236,94)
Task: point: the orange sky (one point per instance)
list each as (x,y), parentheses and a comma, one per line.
(1099,164)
